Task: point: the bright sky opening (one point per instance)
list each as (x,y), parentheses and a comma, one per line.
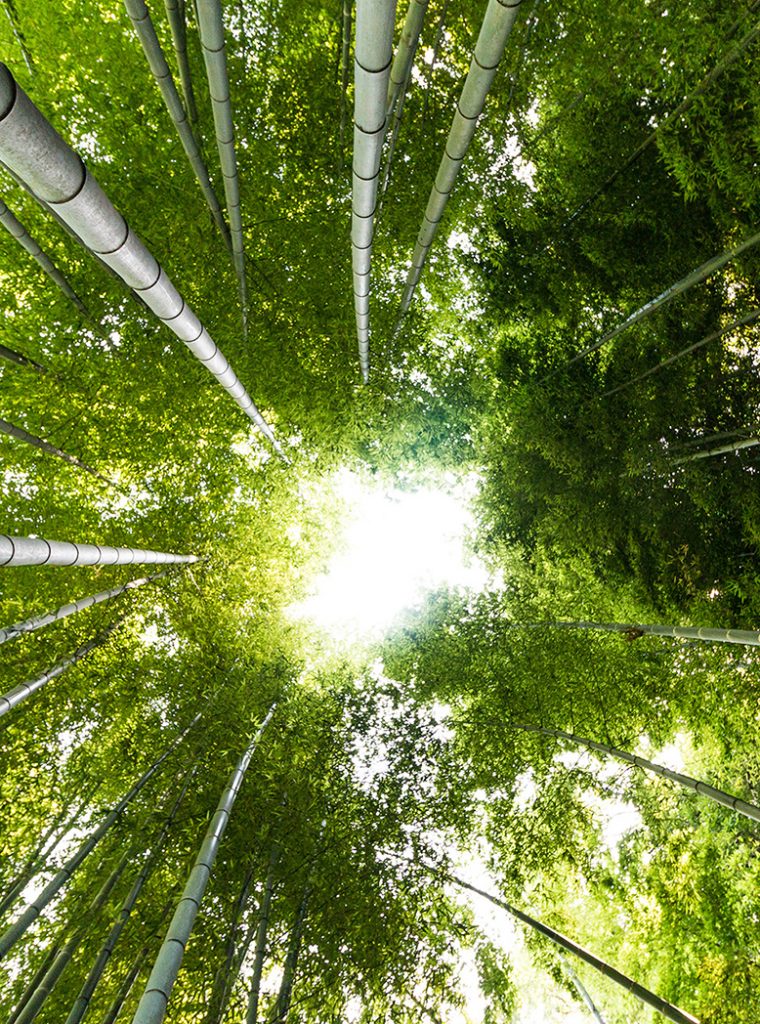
(398,546)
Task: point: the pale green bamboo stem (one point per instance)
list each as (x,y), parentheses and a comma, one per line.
(281,1008)
(153,1004)
(146,33)
(14,227)
(40,621)
(582,992)
(126,987)
(176,16)
(28,916)
(37,442)
(252,1013)
(401,69)
(723,449)
(12,698)
(746,637)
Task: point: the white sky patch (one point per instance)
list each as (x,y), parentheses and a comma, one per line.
(398,546)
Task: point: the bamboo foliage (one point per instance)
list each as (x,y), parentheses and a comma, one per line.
(14,227)
(489,49)
(19,693)
(32,148)
(211,31)
(40,621)
(372,59)
(176,16)
(37,442)
(30,914)
(670,1012)
(146,33)
(718,796)
(37,551)
(155,998)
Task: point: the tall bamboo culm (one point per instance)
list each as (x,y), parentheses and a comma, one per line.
(176,15)
(489,49)
(37,551)
(373,51)
(155,998)
(33,150)
(38,442)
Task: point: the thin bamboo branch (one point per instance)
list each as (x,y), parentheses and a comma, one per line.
(30,914)
(146,33)
(489,49)
(211,32)
(14,227)
(746,637)
(281,1008)
(12,15)
(372,61)
(36,551)
(176,16)
(741,321)
(126,987)
(155,998)
(19,693)
(32,148)
(40,621)
(718,796)
(582,992)
(37,442)
(16,357)
(694,277)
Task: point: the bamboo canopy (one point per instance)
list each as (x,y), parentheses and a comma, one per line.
(155,998)
(211,31)
(37,551)
(40,621)
(489,49)
(33,150)
(372,60)
(14,227)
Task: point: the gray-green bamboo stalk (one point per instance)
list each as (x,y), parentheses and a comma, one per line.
(580,988)
(155,998)
(211,32)
(30,989)
(146,33)
(14,227)
(219,990)
(395,131)
(718,796)
(701,273)
(12,698)
(34,151)
(44,849)
(85,994)
(252,1012)
(16,357)
(344,73)
(724,449)
(401,69)
(40,621)
(126,987)
(748,637)
(670,1012)
(30,914)
(176,16)
(741,321)
(372,60)
(68,949)
(37,551)
(281,1008)
(489,49)
(37,442)
(434,59)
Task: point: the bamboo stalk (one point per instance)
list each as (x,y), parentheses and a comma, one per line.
(37,551)
(281,1008)
(146,33)
(84,996)
(16,357)
(32,148)
(694,277)
(211,32)
(747,637)
(19,693)
(372,60)
(155,998)
(252,1012)
(580,988)
(718,796)
(40,621)
(434,59)
(724,449)
(30,914)
(670,1012)
(37,442)
(489,49)
(126,987)
(401,69)
(176,16)
(16,229)
(344,72)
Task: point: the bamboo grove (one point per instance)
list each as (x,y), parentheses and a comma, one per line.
(436,241)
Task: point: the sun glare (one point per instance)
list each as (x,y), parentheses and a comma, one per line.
(398,546)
